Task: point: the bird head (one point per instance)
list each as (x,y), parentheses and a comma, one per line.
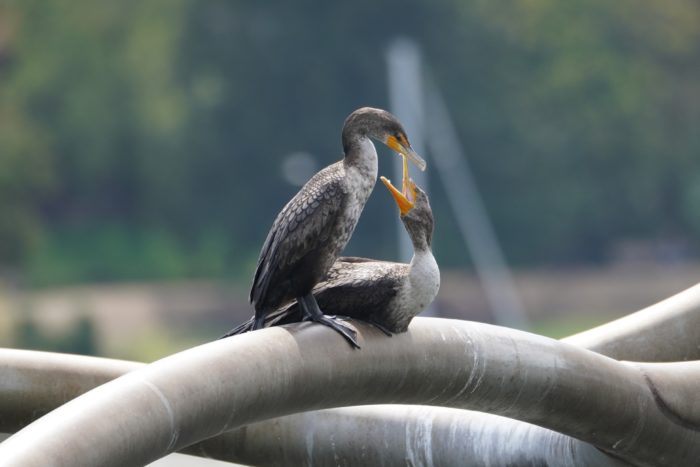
(414,207)
(398,141)
(382,126)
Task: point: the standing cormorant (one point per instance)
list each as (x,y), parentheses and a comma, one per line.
(383,293)
(313,228)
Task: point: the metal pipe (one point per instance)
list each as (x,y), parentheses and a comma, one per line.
(33,384)
(213,388)
(48,380)
(665,332)
(405,79)
(389,435)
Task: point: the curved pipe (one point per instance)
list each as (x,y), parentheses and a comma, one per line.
(29,389)
(213,388)
(667,331)
(34,383)
(390,435)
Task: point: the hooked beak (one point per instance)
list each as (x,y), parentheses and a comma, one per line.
(407,151)
(405,198)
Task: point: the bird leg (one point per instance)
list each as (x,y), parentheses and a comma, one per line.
(259,321)
(312,312)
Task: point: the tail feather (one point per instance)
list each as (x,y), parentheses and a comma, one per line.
(240,329)
(285,315)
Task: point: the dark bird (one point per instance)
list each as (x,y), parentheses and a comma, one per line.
(313,228)
(382,293)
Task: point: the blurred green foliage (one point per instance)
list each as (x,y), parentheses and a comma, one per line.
(122,253)
(143,139)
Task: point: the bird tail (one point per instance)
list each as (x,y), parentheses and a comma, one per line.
(240,329)
(285,315)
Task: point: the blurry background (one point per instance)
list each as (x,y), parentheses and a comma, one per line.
(145,148)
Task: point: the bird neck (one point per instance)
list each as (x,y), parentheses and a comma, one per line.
(361,156)
(418,232)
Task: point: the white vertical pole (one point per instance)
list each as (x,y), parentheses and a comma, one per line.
(405,77)
(406,102)
(410,102)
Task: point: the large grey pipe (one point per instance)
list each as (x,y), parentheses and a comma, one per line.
(665,332)
(34,383)
(204,391)
(391,435)
(48,380)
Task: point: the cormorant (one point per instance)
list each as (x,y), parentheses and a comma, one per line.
(313,228)
(382,293)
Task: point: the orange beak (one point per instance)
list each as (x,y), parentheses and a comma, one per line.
(406,197)
(406,150)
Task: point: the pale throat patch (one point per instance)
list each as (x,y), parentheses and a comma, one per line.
(362,176)
(424,278)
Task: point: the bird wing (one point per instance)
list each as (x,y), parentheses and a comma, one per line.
(358,288)
(358,259)
(355,287)
(304,224)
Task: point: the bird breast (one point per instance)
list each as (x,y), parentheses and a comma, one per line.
(424,279)
(417,291)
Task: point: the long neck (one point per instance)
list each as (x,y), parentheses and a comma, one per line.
(419,231)
(361,162)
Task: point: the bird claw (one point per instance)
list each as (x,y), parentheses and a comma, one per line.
(381,327)
(338,317)
(349,334)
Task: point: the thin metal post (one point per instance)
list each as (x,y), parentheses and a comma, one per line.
(405,77)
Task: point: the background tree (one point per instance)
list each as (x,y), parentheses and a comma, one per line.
(146,140)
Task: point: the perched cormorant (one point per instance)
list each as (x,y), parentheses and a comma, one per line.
(313,228)
(383,293)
